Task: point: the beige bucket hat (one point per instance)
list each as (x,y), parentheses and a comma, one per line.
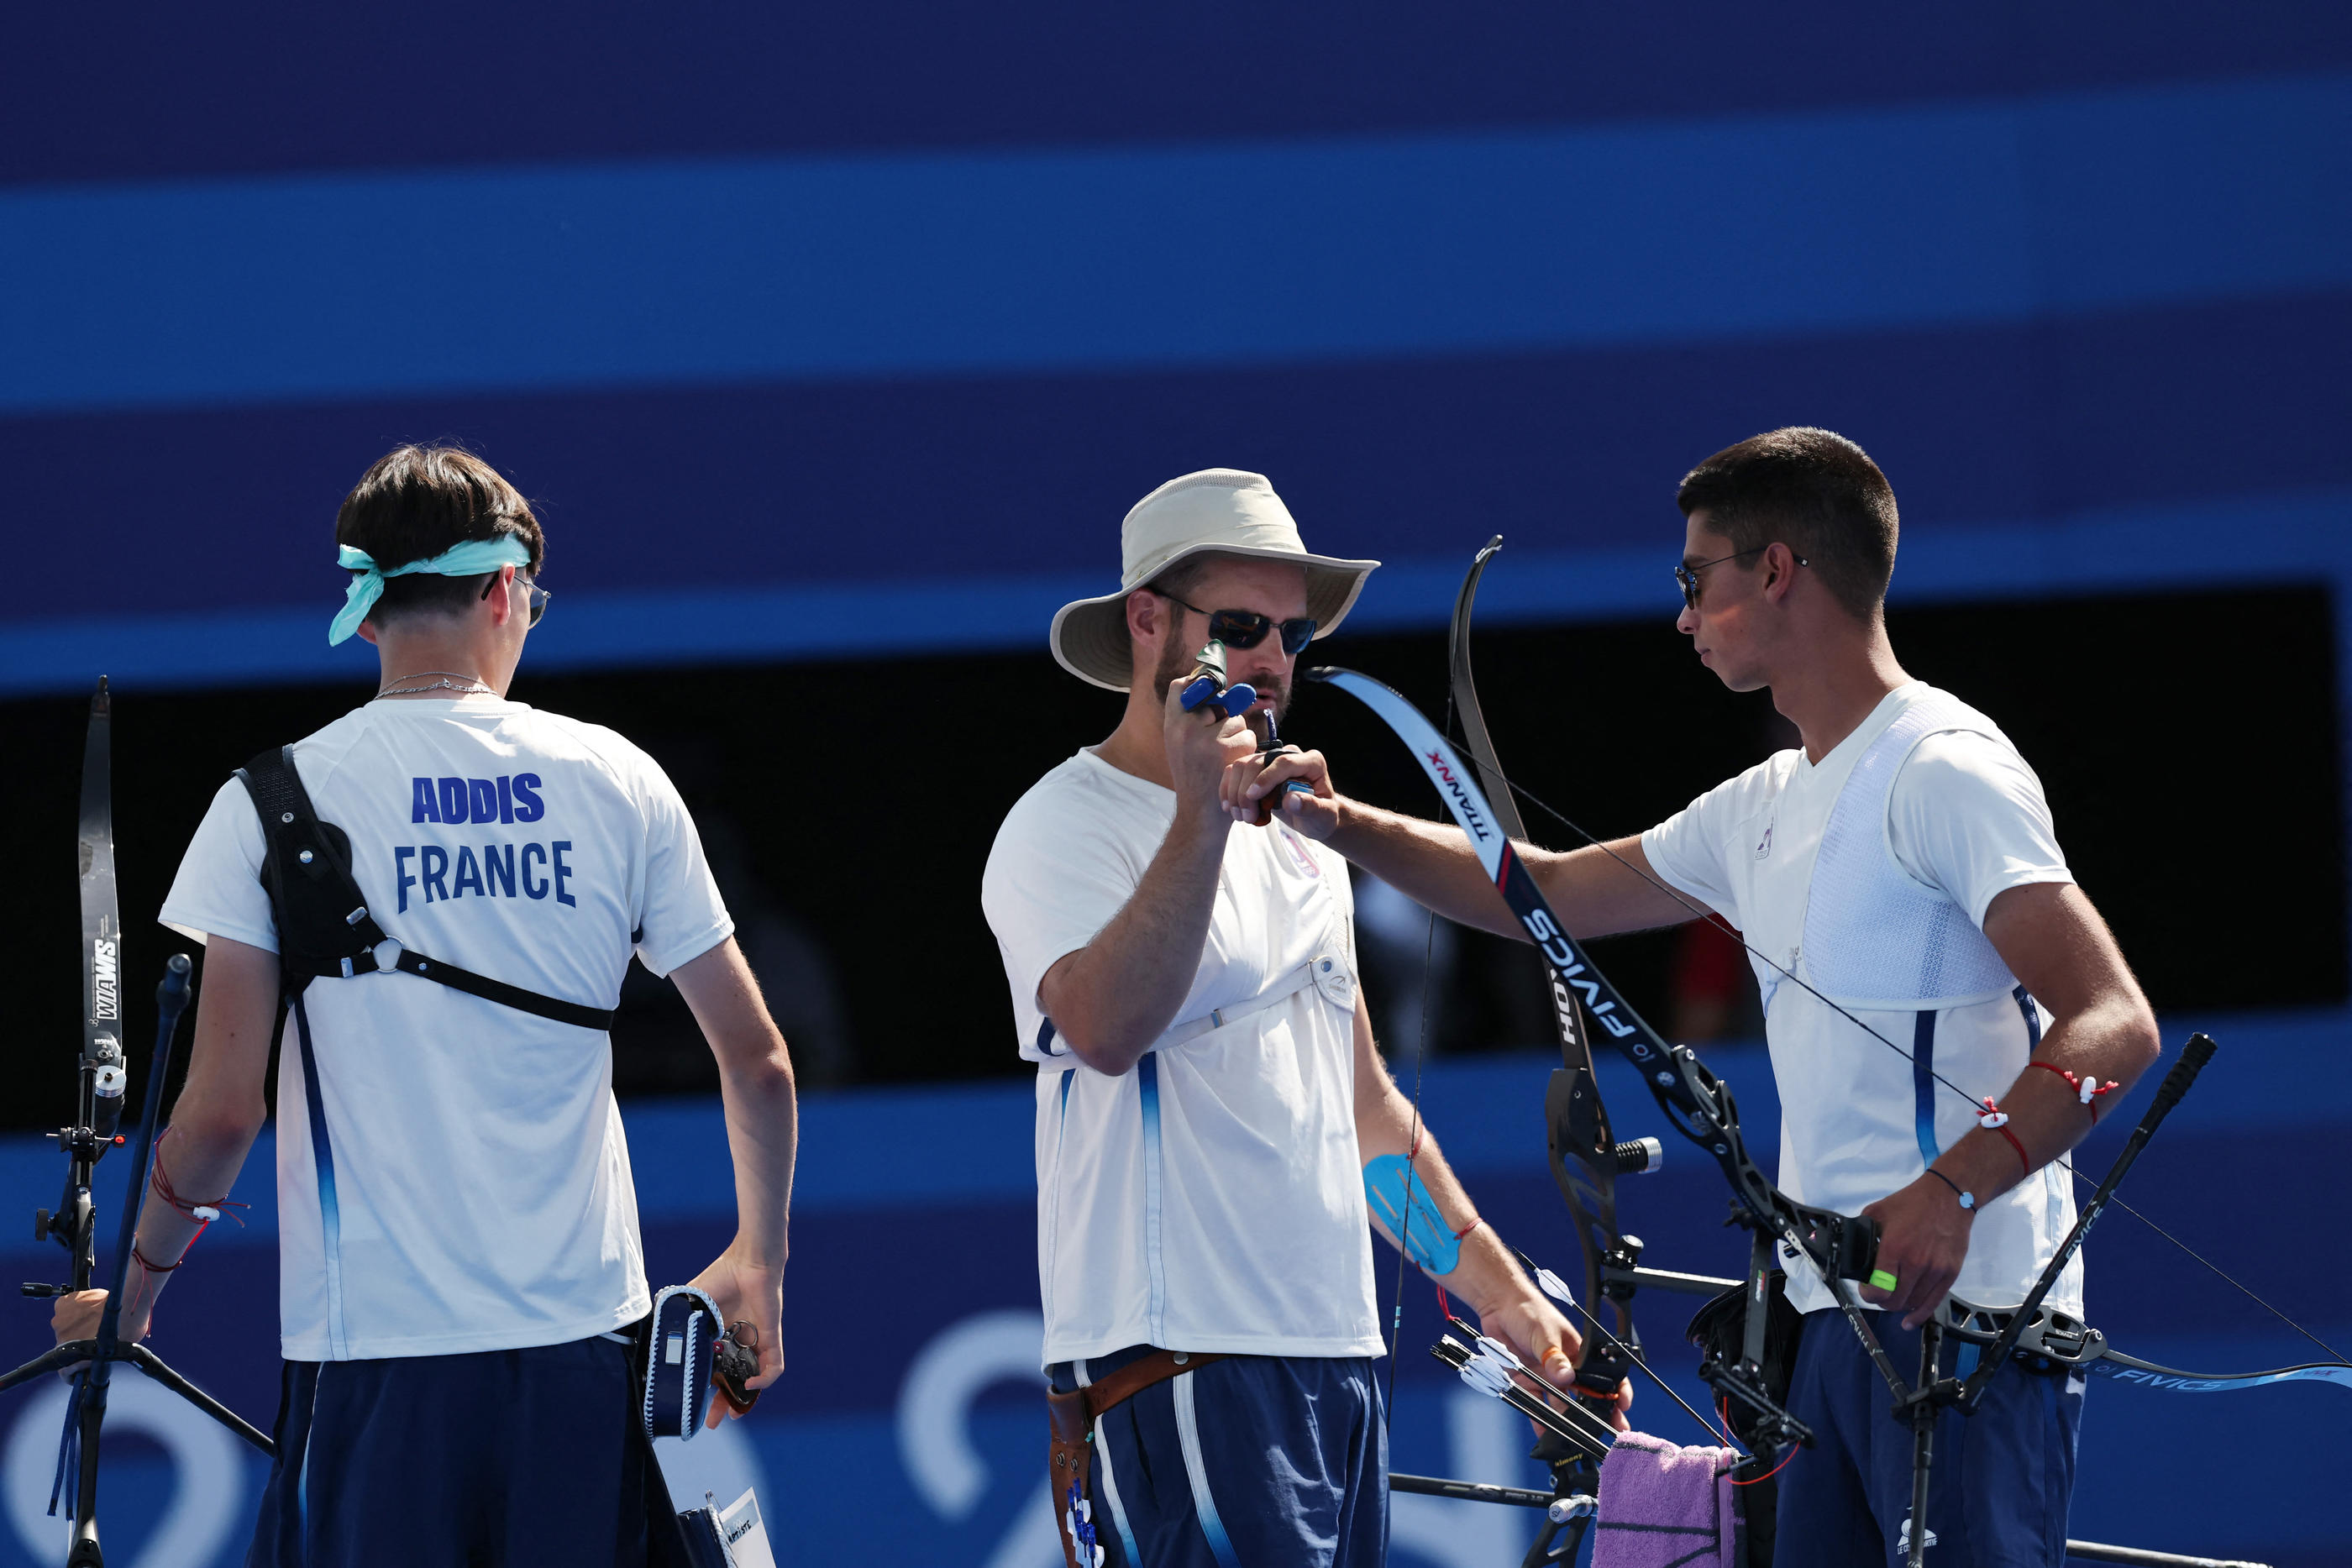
(1226,510)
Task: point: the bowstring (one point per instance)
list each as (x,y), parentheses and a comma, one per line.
(1420,1053)
(1701,912)
(1412,1148)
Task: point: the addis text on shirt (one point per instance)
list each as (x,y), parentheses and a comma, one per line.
(509,798)
(500,871)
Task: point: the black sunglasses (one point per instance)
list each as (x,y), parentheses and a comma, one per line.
(1247,628)
(539,597)
(1688,575)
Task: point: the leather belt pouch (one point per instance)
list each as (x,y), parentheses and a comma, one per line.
(1070,1455)
(1070,1460)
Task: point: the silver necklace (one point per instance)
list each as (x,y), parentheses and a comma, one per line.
(475,685)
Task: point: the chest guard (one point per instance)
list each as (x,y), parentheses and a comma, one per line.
(324,929)
(1873,938)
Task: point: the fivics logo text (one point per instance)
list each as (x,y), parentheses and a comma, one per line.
(2162,1380)
(1554,946)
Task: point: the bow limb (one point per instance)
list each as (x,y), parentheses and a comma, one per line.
(2051,1339)
(1581,1147)
(2148,1374)
(74,1223)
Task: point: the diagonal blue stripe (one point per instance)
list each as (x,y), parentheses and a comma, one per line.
(683,272)
(1147,1082)
(1922,1082)
(322,1153)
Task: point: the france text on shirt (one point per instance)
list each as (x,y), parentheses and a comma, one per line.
(535,868)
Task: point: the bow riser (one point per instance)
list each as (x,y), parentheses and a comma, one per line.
(1591,1210)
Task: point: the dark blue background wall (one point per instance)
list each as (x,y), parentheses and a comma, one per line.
(858,333)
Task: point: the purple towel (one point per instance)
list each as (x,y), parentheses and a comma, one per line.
(1665,1506)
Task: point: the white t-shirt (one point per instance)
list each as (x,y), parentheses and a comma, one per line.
(481,1191)
(1965,815)
(1211,1199)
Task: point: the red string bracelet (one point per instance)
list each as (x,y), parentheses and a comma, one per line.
(1993,1119)
(2087,1090)
(158,1182)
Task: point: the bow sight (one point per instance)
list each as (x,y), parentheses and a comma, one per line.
(99,1081)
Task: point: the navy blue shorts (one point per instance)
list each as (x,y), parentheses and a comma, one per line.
(505,1458)
(1254,1458)
(2002,1480)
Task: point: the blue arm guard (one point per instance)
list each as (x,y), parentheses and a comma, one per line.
(1399,1201)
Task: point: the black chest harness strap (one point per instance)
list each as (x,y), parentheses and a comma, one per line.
(324,929)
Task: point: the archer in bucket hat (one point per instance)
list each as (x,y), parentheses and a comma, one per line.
(1227,511)
(1217,1135)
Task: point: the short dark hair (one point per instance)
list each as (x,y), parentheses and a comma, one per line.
(415,502)
(1812,490)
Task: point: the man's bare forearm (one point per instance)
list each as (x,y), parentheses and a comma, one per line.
(2053,940)
(763,1138)
(200,1158)
(2114,1040)
(1484,1276)
(1111,998)
(756,1088)
(219,1112)
(1430,862)
(1597,890)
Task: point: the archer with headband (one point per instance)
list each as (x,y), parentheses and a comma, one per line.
(433,901)
(1899,869)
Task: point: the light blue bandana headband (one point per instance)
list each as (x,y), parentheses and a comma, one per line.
(471,559)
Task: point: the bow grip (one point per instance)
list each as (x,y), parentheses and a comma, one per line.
(1269,809)
(1854,1245)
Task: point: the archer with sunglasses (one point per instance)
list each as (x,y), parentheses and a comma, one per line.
(1216,1133)
(461,1269)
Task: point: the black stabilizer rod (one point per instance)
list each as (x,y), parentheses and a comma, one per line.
(2193,1058)
(171,1002)
(1469,1491)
